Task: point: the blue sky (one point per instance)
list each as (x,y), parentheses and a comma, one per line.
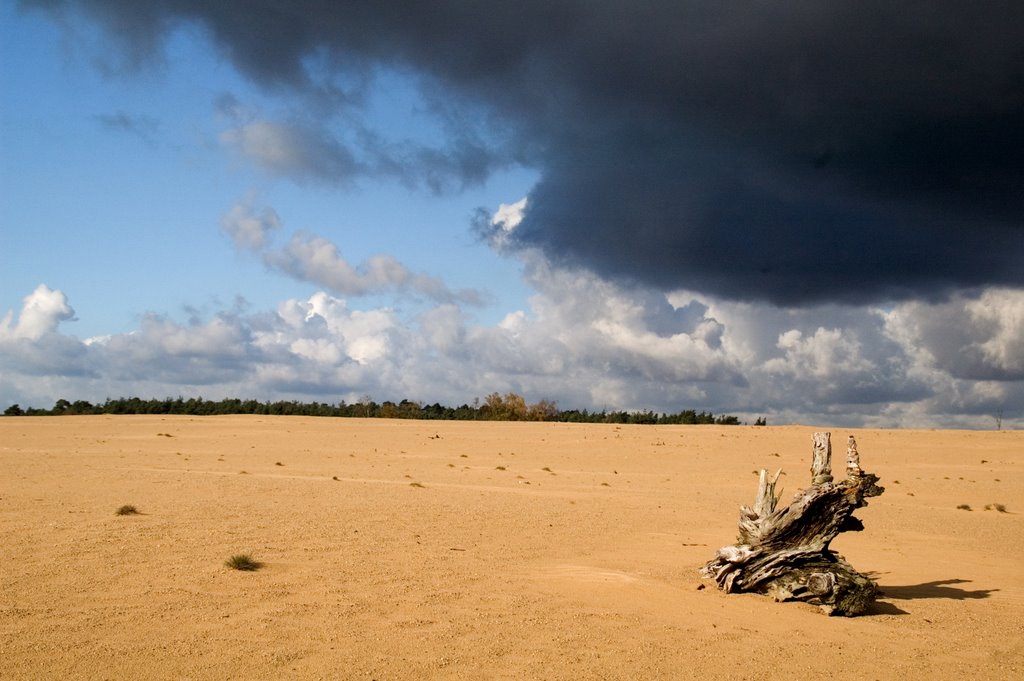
(123,175)
(207,201)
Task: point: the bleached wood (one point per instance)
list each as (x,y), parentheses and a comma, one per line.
(821,458)
(852,458)
(784,552)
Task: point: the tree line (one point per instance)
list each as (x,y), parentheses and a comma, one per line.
(494,407)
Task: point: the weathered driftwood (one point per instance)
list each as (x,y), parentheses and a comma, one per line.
(784,552)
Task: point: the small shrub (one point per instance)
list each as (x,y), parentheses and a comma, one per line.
(127,509)
(415,484)
(244,562)
(996,507)
(499,468)
(964,507)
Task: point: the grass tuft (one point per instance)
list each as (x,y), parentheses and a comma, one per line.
(244,562)
(996,507)
(127,509)
(964,507)
(416,484)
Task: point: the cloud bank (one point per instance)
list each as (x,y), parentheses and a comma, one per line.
(583,341)
(783,152)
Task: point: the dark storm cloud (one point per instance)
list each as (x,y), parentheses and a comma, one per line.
(785,151)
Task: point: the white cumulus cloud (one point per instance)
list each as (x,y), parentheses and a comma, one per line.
(973,337)
(318,260)
(41,313)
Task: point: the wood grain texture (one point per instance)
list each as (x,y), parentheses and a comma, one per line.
(784,552)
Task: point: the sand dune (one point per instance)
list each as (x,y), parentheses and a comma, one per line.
(417,549)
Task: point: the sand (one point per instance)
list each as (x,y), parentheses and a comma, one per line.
(419,549)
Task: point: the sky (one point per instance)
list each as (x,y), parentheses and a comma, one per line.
(808,212)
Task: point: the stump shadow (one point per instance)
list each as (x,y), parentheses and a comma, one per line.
(938,589)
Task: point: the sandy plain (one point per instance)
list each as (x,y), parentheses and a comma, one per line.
(420,550)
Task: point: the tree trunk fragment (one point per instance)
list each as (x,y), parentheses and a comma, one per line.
(784,552)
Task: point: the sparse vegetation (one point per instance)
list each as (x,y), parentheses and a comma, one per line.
(996,507)
(127,509)
(964,507)
(243,562)
(416,484)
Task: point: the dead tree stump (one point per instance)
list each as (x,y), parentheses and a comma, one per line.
(784,553)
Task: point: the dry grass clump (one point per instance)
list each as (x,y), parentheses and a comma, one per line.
(964,507)
(996,507)
(127,509)
(243,562)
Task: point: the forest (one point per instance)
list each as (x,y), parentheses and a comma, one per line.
(494,407)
